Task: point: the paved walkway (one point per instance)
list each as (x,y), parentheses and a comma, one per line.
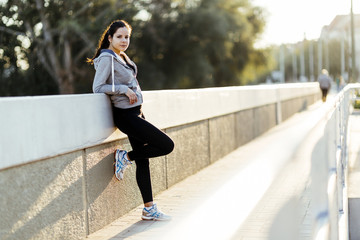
(238,197)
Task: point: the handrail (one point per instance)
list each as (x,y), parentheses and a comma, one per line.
(328,222)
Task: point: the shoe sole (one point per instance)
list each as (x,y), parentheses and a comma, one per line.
(115,173)
(154,219)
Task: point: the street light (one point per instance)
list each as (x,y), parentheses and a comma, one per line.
(353,65)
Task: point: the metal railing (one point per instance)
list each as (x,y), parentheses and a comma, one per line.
(330,159)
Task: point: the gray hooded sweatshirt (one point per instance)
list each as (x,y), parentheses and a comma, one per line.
(114,78)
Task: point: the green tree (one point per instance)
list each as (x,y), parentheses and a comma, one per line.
(60,35)
(207,43)
(176,43)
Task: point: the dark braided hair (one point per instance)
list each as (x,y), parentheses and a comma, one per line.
(109,31)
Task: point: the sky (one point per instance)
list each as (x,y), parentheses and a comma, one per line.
(288,21)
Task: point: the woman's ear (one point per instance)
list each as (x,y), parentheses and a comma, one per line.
(109,38)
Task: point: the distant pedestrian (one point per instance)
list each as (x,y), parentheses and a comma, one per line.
(324,83)
(116,76)
(337,80)
(341,83)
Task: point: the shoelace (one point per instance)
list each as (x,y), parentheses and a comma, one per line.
(124,163)
(127,161)
(120,164)
(153,211)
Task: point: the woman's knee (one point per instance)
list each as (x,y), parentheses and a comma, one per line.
(169,146)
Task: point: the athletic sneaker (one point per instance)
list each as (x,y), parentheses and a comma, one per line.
(121,162)
(153,213)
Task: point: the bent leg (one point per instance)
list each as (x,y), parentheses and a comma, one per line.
(155,142)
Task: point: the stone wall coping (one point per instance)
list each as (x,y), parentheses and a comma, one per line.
(39,127)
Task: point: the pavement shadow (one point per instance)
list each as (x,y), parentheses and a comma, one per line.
(286,223)
(140,227)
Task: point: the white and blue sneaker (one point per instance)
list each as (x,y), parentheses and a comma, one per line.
(153,213)
(121,162)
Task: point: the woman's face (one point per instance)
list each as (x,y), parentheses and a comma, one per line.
(120,40)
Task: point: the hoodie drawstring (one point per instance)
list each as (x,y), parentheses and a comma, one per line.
(112,74)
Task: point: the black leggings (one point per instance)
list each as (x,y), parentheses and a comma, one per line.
(324,92)
(146,140)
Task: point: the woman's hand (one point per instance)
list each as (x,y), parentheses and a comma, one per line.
(132,96)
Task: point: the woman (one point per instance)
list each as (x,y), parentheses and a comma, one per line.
(116,76)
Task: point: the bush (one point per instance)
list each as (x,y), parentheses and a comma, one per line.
(357,99)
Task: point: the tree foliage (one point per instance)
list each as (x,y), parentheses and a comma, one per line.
(176,43)
(60,34)
(207,44)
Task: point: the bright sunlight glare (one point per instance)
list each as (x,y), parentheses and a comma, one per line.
(288,21)
(229,206)
(211,220)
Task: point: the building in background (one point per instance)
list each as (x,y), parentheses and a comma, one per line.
(340,29)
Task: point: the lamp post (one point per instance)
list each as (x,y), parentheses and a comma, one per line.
(302,62)
(353,63)
(294,64)
(319,56)
(342,55)
(282,63)
(311,61)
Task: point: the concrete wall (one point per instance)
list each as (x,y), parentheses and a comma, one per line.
(56,166)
